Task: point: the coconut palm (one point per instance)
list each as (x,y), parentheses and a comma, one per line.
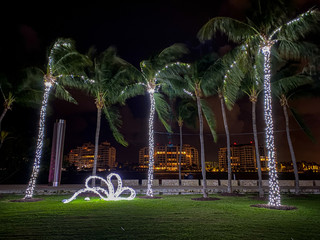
(64,64)
(252,86)
(188,80)
(275,30)
(185,114)
(106,84)
(147,81)
(3,137)
(226,75)
(8,101)
(285,86)
(24,92)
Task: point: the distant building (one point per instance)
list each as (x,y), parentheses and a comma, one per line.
(83,157)
(243,158)
(167,157)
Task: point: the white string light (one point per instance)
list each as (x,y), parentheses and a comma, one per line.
(309,12)
(274,190)
(152,88)
(151,143)
(187,92)
(36,164)
(106,195)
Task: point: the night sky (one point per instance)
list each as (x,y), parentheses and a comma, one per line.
(138,30)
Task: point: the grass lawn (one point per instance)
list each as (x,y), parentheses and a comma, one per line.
(172,217)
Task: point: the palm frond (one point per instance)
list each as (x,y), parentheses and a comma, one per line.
(132,90)
(114,119)
(235,30)
(299,27)
(174,78)
(210,118)
(187,111)
(163,110)
(62,93)
(64,59)
(297,50)
(287,84)
(226,74)
(302,124)
(171,54)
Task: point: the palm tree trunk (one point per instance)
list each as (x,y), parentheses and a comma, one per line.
(96,146)
(256,144)
(293,157)
(180,128)
(203,164)
(226,128)
(38,155)
(2,116)
(151,145)
(274,190)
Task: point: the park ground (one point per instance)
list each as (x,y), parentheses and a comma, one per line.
(171,217)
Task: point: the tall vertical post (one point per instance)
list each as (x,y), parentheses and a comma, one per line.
(57,152)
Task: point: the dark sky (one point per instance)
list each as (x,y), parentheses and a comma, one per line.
(139,29)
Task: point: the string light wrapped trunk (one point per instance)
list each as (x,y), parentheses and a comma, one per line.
(274,190)
(36,164)
(151,142)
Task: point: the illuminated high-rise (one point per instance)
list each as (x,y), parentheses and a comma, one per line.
(167,157)
(243,158)
(83,157)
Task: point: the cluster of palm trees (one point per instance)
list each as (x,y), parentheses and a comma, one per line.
(111,80)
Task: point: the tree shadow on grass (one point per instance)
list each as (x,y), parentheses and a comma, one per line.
(205,199)
(149,197)
(27,200)
(281,207)
(234,194)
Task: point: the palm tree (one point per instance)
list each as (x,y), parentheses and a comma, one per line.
(185,114)
(188,80)
(226,76)
(147,81)
(64,63)
(24,92)
(274,30)
(285,87)
(3,137)
(106,83)
(8,101)
(252,85)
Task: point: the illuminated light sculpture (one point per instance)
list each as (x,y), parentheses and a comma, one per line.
(106,195)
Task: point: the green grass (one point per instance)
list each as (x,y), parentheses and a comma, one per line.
(172,217)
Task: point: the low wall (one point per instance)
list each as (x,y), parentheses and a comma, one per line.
(171,186)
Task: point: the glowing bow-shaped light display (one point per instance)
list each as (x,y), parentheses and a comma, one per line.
(107,195)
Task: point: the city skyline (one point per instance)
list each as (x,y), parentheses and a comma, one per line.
(166,158)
